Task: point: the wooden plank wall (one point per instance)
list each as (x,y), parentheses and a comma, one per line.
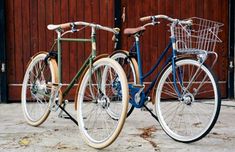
(26,34)
(156,38)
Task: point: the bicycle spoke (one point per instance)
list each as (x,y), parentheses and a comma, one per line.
(169,93)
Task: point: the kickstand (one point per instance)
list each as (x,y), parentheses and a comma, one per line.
(68,115)
(153,115)
(61,115)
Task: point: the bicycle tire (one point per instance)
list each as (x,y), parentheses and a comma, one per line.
(194,100)
(32,85)
(93,105)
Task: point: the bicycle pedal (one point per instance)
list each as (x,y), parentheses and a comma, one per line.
(138,86)
(50,84)
(146,102)
(65,102)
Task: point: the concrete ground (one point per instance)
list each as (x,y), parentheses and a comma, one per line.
(140,133)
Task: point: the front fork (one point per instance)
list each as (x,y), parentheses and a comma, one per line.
(174,67)
(178,74)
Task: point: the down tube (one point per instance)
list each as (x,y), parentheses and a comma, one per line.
(155,66)
(77,76)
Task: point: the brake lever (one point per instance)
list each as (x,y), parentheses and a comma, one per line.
(153,19)
(73,28)
(155,23)
(115,38)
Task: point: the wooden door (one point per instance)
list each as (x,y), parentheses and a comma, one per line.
(156,38)
(26,34)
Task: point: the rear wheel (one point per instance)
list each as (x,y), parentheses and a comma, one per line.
(102,103)
(36,89)
(130,67)
(187,111)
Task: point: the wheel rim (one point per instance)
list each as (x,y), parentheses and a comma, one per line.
(35,104)
(101,113)
(193,114)
(129,69)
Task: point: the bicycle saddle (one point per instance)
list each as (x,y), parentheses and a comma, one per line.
(132,31)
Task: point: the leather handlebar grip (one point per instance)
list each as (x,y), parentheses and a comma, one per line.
(146,18)
(65,25)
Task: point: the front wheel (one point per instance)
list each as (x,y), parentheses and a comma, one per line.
(188,108)
(102,103)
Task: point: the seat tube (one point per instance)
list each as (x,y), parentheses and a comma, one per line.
(93,42)
(93,49)
(59,56)
(137,45)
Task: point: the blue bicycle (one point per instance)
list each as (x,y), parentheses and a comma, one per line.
(186,95)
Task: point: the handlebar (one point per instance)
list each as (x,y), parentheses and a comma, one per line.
(177,21)
(71,24)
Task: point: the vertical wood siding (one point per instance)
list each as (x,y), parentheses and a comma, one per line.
(27,34)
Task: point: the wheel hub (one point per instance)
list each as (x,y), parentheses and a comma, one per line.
(38,88)
(104,102)
(188,98)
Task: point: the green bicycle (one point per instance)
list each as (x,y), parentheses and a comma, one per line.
(102,96)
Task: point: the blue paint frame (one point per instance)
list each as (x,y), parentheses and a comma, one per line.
(170,60)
